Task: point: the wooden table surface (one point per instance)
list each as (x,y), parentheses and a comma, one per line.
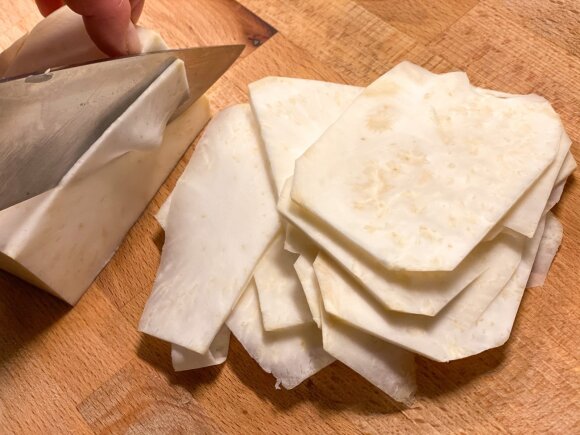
(87,369)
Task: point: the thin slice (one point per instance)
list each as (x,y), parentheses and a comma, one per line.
(442,338)
(279,99)
(305,272)
(291,355)
(212,246)
(527,212)
(384,365)
(568,167)
(411,292)
(60,240)
(185,359)
(298,242)
(421,167)
(163,213)
(549,246)
(282,300)
(292,114)
(495,325)
(388,367)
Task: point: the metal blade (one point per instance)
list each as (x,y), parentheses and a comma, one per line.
(48,121)
(204,66)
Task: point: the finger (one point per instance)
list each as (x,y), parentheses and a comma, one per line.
(136,9)
(108,23)
(47,7)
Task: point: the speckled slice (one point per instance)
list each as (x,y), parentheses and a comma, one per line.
(292,113)
(221,220)
(421,166)
(455,332)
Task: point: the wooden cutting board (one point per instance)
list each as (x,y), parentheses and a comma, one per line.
(86,369)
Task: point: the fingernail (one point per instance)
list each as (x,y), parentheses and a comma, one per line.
(132,41)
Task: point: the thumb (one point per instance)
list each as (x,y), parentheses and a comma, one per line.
(109,24)
(47,7)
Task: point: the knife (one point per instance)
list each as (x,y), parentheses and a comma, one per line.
(49,120)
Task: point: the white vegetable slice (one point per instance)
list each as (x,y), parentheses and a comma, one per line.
(221,220)
(298,242)
(555,196)
(442,338)
(282,300)
(527,212)
(549,246)
(163,213)
(305,272)
(292,114)
(494,327)
(412,292)
(277,100)
(386,366)
(567,169)
(291,355)
(421,167)
(80,223)
(60,240)
(185,359)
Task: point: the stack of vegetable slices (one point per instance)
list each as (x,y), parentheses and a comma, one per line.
(326,221)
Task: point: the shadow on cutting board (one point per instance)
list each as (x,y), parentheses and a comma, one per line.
(440,379)
(157,353)
(325,389)
(25,312)
(334,389)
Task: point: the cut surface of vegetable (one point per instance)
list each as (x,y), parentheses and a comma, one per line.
(411,292)
(163,213)
(298,242)
(291,355)
(494,326)
(420,167)
(568,167)
(282,301)
(443,337)
(549,245)
(292,113)
(555,196)
(60,240)
(185,359)
(525,215)
(307,277)
(223,207)
(388,367)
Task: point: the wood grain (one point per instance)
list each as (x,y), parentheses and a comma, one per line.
(424,20)
(87,370)
(557,21)
(207,23)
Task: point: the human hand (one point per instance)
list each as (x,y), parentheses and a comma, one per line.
(109,23)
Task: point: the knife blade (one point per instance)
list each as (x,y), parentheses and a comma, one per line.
(49,120)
